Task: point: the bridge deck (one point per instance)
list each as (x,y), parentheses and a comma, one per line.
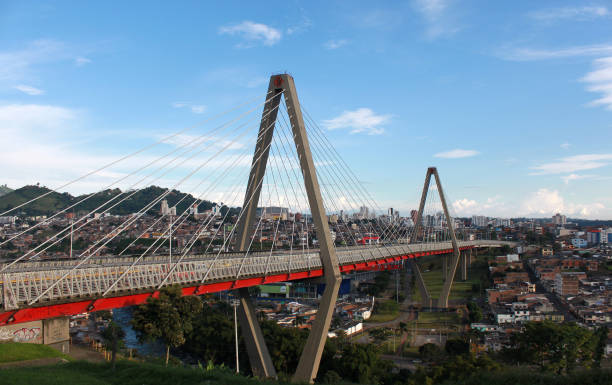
(22,283)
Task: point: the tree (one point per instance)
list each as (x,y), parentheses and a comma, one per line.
(113,336)
(601,338)
(168,318)
(456,347)
(362,364)
(212,337)
(475,313)
(555,347)
(380,334)
(430,352)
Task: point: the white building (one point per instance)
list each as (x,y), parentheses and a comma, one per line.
(166,210)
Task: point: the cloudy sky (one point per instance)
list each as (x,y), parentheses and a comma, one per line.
(512,101)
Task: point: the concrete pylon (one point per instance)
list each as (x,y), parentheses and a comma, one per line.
(308,366)
(259,356)
(449,269)
(283,85)
(425,297)
(464,265)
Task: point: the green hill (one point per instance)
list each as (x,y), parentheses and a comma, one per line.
(4,189)
(54,201)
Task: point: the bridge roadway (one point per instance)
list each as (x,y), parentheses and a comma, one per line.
(82,289)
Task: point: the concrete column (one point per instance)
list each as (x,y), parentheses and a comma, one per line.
(259,356)
(464,266)
(444,267)
(308,366)
(425,297)
(443,300)
(56,333)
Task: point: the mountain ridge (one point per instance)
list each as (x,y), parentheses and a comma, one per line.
(54,201)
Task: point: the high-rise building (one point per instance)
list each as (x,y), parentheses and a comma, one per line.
(166,210)
(559,219)
(480,221)
(364,212)
(413,215)
(594,237)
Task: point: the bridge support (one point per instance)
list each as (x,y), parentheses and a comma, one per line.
(54,332)
(449,269)
(259,356)
(466,260)
(308,366)
(425,297)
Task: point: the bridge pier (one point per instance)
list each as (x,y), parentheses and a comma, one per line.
(444,267)
(54,332)
(308,366)
(449,264)
(425,297)
(259,356)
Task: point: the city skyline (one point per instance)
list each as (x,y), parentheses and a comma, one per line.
(524,129)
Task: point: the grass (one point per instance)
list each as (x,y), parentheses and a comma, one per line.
(12,352)
(385,311)
(460,290)
(127,373)
(426,317)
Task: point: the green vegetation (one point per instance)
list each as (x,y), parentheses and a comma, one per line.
(474,312)
(558,348)
(381,283)
(4,189)
(477,281)
(168,318)
(113,336)
(126,373)
(13,351)
(385,311)
(56,201)
(465,370)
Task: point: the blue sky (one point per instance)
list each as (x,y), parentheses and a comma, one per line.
(512,101)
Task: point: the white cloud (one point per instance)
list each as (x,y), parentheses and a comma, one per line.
(50,145)
(81,61)
(573,13)
(464,206)
(304,24)
(547,202)
(600,81)
(29,90)
(33,117)
(253,32)
(565,145)
(436,15)
(17,65)
(530,54)
(359,120)
(574,163)
(457,153)
(335,44)
(568,178)
(195,108)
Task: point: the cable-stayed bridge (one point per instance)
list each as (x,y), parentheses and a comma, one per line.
(297,196)
(199,274)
